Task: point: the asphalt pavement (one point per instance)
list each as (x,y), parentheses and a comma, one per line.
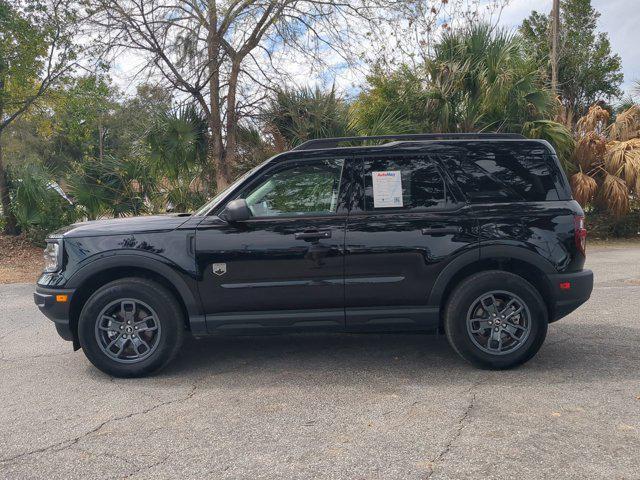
(332,406)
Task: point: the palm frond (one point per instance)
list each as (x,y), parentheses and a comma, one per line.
(555,133)
(590,150)
(626,125)
(595,120)
(584,188)
(615,195)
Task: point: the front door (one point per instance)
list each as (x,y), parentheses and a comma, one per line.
(284,267)
(409,225)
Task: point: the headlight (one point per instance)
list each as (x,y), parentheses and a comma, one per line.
(52,256)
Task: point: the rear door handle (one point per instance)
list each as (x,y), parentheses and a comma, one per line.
(313,235)
(441,230)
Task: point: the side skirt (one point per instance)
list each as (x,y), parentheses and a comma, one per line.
(377,319)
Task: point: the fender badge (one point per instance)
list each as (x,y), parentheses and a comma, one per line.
(219,268)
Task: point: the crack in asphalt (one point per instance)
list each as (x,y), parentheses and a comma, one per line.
(458,431)
(153,465)
(66,444)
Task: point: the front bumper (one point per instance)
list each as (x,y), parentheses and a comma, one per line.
(49,301)
(570,290)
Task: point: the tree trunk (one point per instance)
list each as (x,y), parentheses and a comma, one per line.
(555,34)
(231,144)
(100,141)
(10,223)
(215,146)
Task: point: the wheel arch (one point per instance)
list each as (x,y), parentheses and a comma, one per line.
(100,272)
(517,260)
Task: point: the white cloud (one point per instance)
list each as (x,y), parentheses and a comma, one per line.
(518,10)
(619,18)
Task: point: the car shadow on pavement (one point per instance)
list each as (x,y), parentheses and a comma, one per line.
(569,352)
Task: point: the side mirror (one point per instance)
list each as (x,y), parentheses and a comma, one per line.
(237,211)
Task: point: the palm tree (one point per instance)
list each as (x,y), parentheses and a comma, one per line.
(480,79)
(178,141)
(294,116)
(113,187)
(607,160)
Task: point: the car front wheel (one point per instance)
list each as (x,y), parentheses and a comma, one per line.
(496,319)
(131,327)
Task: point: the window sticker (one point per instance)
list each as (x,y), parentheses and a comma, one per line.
(387,189)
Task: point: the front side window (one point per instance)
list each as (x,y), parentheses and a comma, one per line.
(406,183)
(300,189)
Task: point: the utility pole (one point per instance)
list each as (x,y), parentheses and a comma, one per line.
(555,34)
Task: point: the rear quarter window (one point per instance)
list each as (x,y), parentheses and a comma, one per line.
(499,173)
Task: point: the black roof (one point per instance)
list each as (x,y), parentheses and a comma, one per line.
(321,143)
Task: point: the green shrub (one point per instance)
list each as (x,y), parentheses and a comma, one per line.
(38,207)
(604,226)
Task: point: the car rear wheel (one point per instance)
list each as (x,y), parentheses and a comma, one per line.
(131,327)
(496,319)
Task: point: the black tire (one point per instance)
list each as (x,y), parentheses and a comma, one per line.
(459,308)
(165,311)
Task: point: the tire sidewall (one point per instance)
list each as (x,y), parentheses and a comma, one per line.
(458,308)
(158,298)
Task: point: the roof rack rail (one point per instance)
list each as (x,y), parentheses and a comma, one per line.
(335,141)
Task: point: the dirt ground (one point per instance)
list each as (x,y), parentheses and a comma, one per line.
(20,261)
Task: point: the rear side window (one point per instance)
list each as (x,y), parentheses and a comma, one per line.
(498,173)
(404,183)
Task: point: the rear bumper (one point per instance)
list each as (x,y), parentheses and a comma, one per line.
(570,291)
(49,302)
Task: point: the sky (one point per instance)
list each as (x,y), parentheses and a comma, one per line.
(619,18)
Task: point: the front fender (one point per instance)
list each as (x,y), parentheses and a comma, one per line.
(179,279)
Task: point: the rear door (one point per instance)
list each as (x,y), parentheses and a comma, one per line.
(408,225)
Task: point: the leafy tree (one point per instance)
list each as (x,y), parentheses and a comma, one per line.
(224,54)
(88,116)
(476,80)
(587,69)
(36,52)
(256,146)
(132,119)
(81,121)
(37,205)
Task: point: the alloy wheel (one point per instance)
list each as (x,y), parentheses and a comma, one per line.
(499,322)
(128,330)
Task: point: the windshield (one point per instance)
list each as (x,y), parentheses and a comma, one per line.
(213,202)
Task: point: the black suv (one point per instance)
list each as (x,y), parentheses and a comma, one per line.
(473,235)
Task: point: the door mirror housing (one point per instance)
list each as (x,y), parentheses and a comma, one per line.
(237,211)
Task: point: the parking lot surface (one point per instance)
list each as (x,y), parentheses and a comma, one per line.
(332,406)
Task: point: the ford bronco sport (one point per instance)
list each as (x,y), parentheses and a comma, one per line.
(475,235)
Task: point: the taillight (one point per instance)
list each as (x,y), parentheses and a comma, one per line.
(580,234)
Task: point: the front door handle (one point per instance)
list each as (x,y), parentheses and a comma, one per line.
(441,230)
(313,235)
